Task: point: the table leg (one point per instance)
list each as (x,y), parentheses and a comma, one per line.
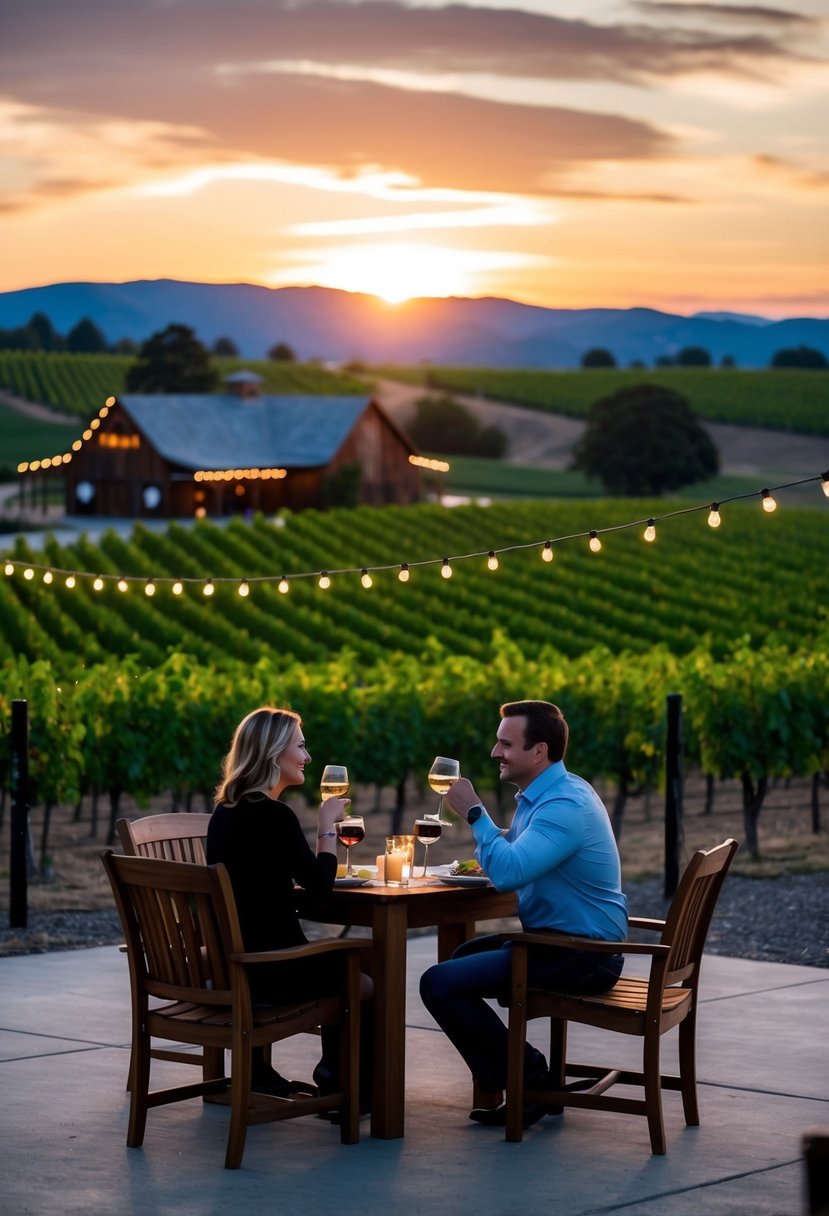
(389,970)
(451,935)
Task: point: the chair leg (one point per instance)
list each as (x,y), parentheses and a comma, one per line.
(688,1068)
(652,1078)
(240,1077)
(138,1084)
(349,1081)
(558,1052)
(516,1038)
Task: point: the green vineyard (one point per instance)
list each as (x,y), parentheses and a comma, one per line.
(779,400)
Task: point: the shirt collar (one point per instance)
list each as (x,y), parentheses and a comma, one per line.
(542,784)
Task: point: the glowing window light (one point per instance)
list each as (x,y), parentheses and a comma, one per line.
(769,504)
(446,568)
(284,586)
(650,532)
(366,579)
(595,543)
(492,560)
(714,520)
(324,581)
(403,573)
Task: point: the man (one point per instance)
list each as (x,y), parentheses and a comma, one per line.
(561,858)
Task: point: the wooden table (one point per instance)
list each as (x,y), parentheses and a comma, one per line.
(390,912)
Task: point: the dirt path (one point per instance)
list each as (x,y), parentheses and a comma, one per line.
(547,440)
(33,409)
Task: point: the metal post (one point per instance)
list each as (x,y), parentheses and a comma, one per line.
(673,792)
(18,877)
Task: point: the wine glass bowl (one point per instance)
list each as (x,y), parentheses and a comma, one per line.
(350,831)
(334,783)
(427,831)
(442,776)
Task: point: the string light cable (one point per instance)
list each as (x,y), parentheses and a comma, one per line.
(324,578)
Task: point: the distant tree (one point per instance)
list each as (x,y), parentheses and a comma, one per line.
(173,360)
(638,364)
(21,338)
(728,361)
(664,361)
(693,356)
(45,333)
(800,356)
(85,338)
(125,346)
(225,347)
(644,439)
(442,424)
(282,351)
(597,356)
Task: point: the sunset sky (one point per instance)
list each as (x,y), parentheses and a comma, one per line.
(569,153)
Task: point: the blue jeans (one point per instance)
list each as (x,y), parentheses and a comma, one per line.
(454,993)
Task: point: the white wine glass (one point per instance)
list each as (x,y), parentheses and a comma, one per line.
(334,782)
(427,830)
(350,831)
(442,776)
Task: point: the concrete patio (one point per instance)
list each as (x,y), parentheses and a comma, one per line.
(64,1038)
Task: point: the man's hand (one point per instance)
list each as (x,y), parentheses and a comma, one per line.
(462,796)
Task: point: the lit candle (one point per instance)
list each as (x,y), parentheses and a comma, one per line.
(381,867)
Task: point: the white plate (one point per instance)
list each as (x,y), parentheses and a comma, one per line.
(351,882)
(465,880)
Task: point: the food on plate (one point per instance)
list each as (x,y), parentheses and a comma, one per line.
(362,873)
(467,867)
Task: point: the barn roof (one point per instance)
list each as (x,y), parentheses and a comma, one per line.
(202,431)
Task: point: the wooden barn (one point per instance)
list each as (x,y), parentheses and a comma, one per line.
(207,455)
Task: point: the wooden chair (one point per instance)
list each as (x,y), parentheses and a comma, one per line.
(184,946)
(646,1008)
(178,837)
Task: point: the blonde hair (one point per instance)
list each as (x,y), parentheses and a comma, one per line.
(252,764)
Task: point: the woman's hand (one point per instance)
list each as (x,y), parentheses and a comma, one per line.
(331,811)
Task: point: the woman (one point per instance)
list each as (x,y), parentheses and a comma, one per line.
(261,842)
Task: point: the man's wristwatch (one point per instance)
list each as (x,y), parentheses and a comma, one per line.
(474,813)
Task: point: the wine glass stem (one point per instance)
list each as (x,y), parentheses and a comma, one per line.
(425,857)
(348,861)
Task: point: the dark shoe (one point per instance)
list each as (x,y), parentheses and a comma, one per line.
(496,1116)
(273,1083)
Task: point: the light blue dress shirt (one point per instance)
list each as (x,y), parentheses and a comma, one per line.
(560,855)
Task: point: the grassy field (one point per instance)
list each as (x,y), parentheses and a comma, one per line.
(25,438)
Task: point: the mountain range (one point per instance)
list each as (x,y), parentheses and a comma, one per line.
(320,322)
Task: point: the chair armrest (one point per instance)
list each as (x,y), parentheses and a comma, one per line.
(645,922)
(290,953)
(570,942)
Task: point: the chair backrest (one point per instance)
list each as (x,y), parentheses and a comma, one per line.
(174,837)
(687,922)
(180,923)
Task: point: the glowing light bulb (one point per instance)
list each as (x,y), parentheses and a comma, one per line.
(283,586)
(70,581)
(324,581)
(547,551)
(366,579)
(29,573)
(48,577)
(149,588)
(244,588)
(824,483)
(769,504)
(123,585)
(177,588)
(446,569)
(403,574)
(650,532)
(595,543)
(208,587)
(714,515)
(110,401)
(9,568)
(492,560)
(98,584)
(23,466)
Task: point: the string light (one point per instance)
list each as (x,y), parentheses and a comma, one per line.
(244,585)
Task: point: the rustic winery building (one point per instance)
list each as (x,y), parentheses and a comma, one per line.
(207,455)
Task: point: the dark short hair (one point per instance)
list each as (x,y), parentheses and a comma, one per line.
(545,724)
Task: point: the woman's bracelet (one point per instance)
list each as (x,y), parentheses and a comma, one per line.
(327,836)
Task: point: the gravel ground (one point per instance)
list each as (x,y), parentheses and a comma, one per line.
(776,920)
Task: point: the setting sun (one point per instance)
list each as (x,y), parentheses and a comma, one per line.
(395,272)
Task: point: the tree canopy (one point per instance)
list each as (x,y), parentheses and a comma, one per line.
(282,351)
(442,424)
(225,347)
(693,356)
(85,338)
(644,439)
(800,356)
(598,356)
(173,360)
